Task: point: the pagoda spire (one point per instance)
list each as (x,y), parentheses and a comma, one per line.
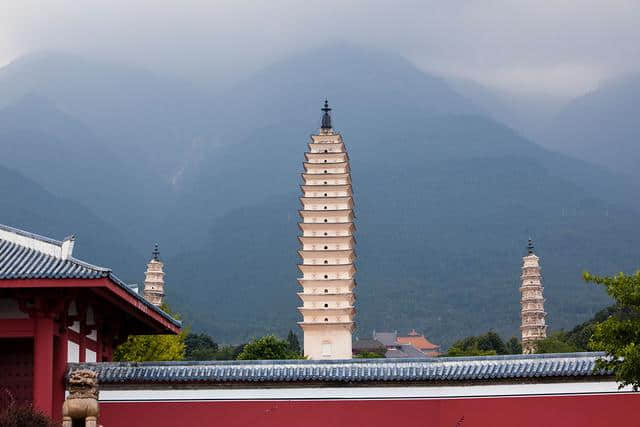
(533,325)
(328,247)
(326,117)
(154,279)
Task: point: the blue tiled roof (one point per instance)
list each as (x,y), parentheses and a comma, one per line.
(22,262)
(450,369)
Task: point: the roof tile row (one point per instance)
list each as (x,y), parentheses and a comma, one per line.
(372,370)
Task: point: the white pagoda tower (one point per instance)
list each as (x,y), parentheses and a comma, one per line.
(533,326)
(154,279)
(327,242)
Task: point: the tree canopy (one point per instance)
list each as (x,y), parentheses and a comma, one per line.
(151,348)
(484,345)
(200,346)
(619,334)
(268,347)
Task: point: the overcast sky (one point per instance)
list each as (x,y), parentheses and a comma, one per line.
(556,46)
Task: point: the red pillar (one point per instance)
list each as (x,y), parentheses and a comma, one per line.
(43,365)
(60,359)
(82,347)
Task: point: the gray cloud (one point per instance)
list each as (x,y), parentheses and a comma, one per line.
(556,46)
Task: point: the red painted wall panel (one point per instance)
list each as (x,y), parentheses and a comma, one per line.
(543,411)
(16,370)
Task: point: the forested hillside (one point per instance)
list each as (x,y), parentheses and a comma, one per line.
(443,216)
(446,197)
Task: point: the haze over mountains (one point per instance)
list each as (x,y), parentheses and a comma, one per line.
(445,195)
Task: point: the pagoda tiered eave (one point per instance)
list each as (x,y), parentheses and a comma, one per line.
(326,138)
(331,147)
(347,254)
(348,227)
(310,240)
(326,177)
(337,157)
(324,283)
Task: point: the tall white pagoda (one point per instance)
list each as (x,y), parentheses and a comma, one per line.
(327,243)
(533,326)
(154,279)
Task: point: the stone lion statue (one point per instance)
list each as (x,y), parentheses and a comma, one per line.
(82,401)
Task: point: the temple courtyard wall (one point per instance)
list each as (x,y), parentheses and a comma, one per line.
(498,391)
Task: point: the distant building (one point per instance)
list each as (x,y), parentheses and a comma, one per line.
(368,345)
(420,342)
(56,309)
(413,345)
(327,251)
(533,324)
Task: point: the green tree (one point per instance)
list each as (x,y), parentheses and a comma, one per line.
(368,355)
(619,334)
(468,347)
(268,347)
(514,346)
(200,347)
(556,342)
(150,348)
(482,345)
(294,343)
(492,341)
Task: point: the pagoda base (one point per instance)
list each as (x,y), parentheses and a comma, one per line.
(328,341)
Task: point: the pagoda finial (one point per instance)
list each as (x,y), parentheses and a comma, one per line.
(156,253)
(530,247)
(326,118)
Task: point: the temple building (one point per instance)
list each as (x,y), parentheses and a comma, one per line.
(533,324)
(327,246)
(154,279)
(56,309)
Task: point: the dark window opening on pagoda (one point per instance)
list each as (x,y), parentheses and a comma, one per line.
(326,234)
(326,319)
(326,277)
(325,194)
(325,182)
(326,262)
(326,291)
(326,151)
(325,160)
(326,247)
(326,306)
(325,171)
(325,207)
(325,220)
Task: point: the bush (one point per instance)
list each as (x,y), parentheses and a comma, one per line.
(16,415)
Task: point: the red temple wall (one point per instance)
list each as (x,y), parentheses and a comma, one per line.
(524,411)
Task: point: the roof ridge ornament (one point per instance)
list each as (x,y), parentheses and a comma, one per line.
(326,117)
(156,253)
(530,246)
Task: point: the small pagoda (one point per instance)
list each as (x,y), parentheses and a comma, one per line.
(533,326)
(327,246)
(154,279)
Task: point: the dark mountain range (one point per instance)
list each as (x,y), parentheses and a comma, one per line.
(528,113)
(444,207)
(153,124)
(26,205)
(265,121)
(602,127)
(446,197)
(70,161)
